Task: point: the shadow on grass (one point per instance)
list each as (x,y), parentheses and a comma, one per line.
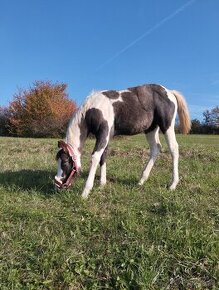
(41,181)
(31,180)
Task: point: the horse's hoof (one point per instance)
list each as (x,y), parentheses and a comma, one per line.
(140,183)
(85,194)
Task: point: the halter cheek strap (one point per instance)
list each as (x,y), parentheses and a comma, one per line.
(68,182)
(72,155)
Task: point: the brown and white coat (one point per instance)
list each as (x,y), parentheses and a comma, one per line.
(105,114)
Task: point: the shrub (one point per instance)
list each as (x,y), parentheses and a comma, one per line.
(41,111)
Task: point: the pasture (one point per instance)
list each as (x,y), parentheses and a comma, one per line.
(123,236)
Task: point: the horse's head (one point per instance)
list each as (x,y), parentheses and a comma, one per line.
(67,166)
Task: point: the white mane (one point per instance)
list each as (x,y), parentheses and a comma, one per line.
(73,130)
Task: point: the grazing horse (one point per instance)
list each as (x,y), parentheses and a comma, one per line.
(105,114)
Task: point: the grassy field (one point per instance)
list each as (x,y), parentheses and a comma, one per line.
(123,236)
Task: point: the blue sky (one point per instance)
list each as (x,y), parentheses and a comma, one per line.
(92,45)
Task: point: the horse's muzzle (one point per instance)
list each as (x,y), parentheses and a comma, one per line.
(65,184)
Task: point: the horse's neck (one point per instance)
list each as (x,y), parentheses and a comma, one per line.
(77,132)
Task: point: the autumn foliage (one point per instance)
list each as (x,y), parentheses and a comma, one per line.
(41,111)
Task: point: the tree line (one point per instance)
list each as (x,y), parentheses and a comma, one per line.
(45,109)
(209,124)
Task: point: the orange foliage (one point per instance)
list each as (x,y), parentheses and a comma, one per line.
(42,111)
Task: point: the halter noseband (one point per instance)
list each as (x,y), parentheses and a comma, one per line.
(74,170)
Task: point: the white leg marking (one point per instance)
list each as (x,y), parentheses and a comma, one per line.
(90,180)
(104,104)
(172,144)
(154,144)
(103,174)
(173,147)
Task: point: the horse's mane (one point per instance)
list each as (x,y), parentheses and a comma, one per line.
(80,113)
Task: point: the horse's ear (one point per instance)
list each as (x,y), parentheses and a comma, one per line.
(63,145)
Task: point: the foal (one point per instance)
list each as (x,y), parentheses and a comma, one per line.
(105,114)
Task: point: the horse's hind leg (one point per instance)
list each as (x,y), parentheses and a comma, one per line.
(155,146)
(174,150)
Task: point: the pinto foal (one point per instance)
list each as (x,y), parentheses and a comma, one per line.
(105,114)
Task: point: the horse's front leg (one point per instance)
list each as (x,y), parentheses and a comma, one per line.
(93,168)
(98,156)
(103,174)
(103,167)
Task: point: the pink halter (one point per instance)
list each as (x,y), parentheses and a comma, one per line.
(74,170)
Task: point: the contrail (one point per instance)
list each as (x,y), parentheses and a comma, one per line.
(149,31)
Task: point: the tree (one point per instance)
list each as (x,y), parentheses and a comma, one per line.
(211,121)
(215,117)
(207,117)
(211,118)
(4,122)
(196,126)
(41,111)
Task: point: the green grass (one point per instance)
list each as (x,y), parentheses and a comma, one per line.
(123,236)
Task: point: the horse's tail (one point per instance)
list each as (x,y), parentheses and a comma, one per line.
(183,112)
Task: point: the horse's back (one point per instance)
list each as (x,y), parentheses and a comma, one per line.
(143,108)
(132,111)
